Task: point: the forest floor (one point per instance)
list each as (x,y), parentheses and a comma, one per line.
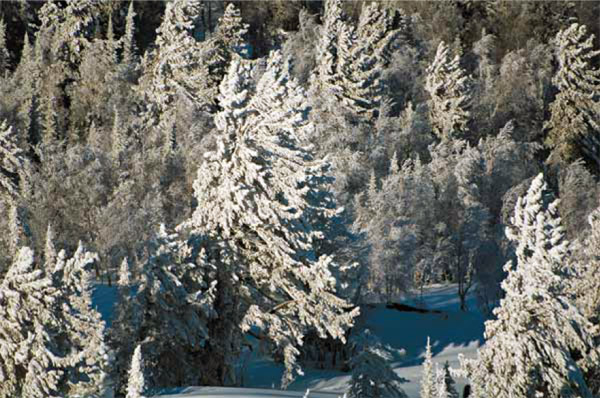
(451,332)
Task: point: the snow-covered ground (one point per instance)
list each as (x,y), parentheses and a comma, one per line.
(451,332)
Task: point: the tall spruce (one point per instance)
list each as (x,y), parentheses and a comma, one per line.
(574,127)
(265,188)
(540,344)
(450,92)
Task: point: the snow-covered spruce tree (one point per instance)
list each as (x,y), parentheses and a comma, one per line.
(11,163)
(227,43)
(167,312)
(350,60)
(450,92)
(372,374)
(264,189)
(587,288)
(129,55)
(379,31)
(574,127)
(90,360)
(4,54)
(445,383)
(51,340)
(176,69)
(136,384)
(231,30)
(31,361)
(326,79)
(428,376)
(540,344)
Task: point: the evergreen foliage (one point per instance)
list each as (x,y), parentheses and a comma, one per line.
(429,387)
(538,329)
(372,376)
(52,339)
(573,127)
(265,189)
(450,93)
(136,384)
(427,123)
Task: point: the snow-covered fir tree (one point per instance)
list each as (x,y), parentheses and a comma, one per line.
(587,288)
(51,339)
(90,359)
(136,384)
(31,364)
(4,54)
(574,126)
(372,374)
(12,159)
(450,93)
(540,344)
(176,70)
(428,376)
(351,60)
(227,43)
(129,56)
(265,189)
(167,312)
(444,383)
(232,30)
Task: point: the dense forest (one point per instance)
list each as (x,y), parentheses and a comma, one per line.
(260,169)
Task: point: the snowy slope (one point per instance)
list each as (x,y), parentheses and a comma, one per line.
(451,332)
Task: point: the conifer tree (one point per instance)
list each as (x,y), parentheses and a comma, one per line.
(136,384)
(351,60)
(12,159)
(445,385)
(4,54)
(176,70)
(90,360)
(372,375)
(540,344)
(168,313)
(587,288)
(428,377)
(265,188)
(31,362)
(327,50)
(574,126)
(128,40)
(450,94)
(379,31)
(232,30)
(226,44)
